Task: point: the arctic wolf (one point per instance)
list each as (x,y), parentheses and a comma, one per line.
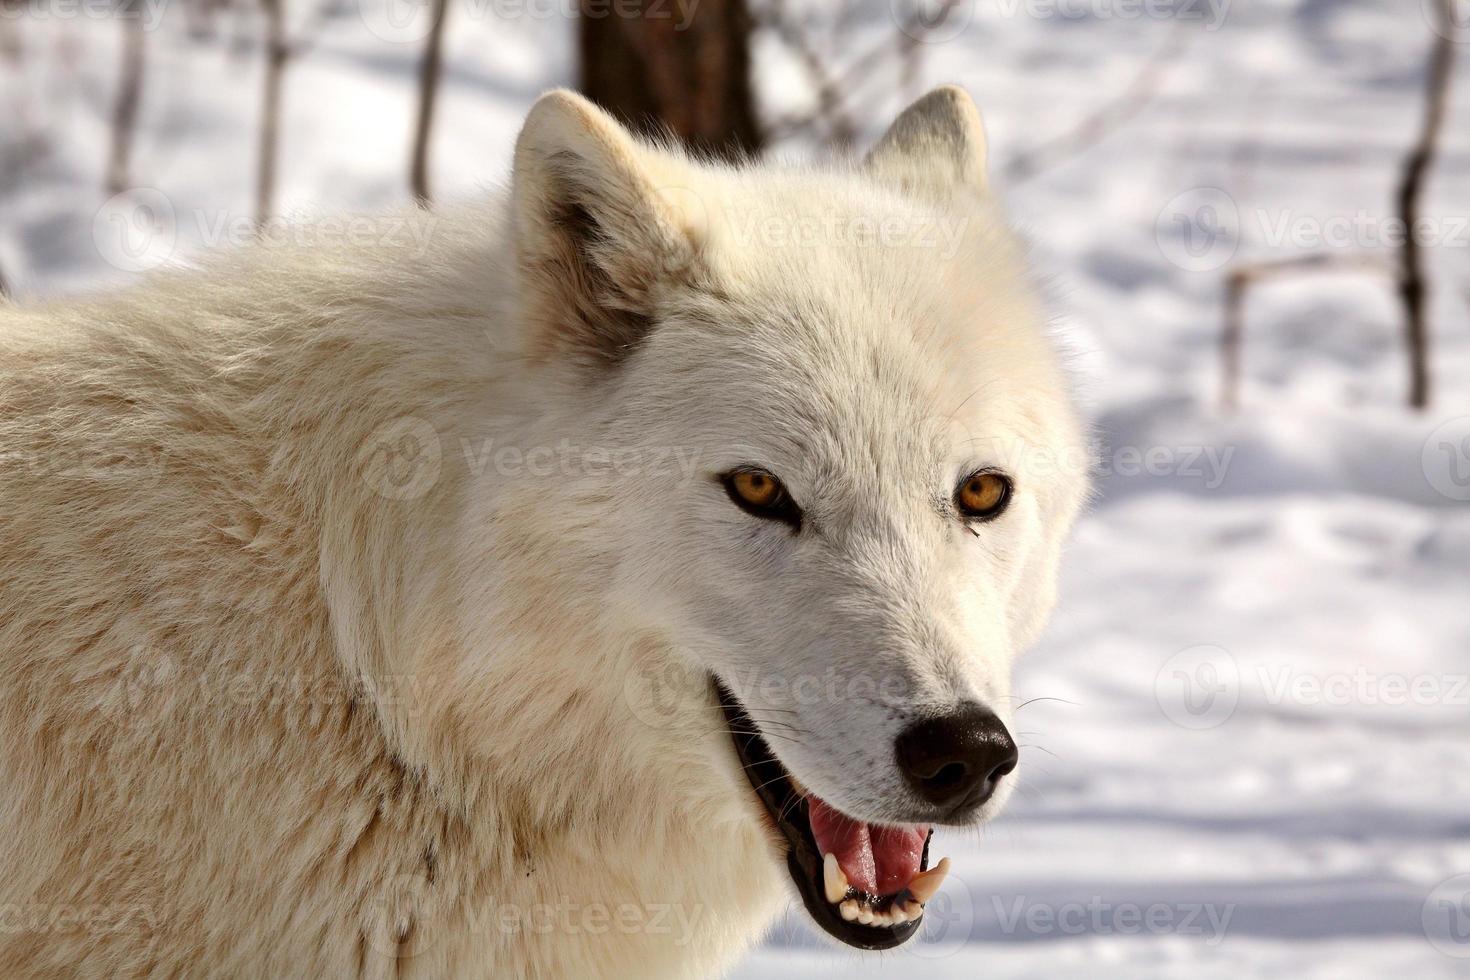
(560,601)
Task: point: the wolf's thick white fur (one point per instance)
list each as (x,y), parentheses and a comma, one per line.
(351,625)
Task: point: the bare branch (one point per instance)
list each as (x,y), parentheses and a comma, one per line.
(1413,287)
(841,130)
(1108,118)
(279,50)
(1242,277)
(129,95)
(834,88)
(429,71)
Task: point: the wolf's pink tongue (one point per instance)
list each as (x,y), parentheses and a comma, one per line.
(877,860)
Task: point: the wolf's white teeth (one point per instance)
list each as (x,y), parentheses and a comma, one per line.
(921,889)
(833,880)
(925,885)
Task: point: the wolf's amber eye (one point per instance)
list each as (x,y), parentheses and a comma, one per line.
(757,488)
(758,492)
(983,495)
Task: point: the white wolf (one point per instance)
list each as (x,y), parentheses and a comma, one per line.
(371,614)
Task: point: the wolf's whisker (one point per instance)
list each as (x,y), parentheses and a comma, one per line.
(1034,700)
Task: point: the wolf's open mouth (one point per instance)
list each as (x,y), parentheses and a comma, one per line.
(866,885)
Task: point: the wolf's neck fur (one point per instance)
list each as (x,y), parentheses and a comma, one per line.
(496,800)
(586,761)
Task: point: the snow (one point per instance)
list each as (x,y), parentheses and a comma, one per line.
(1247,752)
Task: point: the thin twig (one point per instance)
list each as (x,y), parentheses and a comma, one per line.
(1238,283)
(279,50)
(842,131)
(1107,119)
(835,88)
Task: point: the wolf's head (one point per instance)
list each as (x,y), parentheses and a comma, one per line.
(884,463)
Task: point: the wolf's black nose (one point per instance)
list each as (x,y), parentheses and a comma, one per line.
(956,760)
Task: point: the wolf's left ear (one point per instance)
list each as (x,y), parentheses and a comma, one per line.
(596,231)
(934,147)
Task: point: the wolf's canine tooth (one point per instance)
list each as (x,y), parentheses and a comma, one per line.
(833,880)
(926,884)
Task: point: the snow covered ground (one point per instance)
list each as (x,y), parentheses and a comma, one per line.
(1251,755)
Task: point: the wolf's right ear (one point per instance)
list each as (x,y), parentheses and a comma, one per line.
(596,237)
(934,147)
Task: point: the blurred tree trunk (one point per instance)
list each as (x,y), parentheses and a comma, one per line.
(677,65)
(429,71)
(277,52)
(129,94)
